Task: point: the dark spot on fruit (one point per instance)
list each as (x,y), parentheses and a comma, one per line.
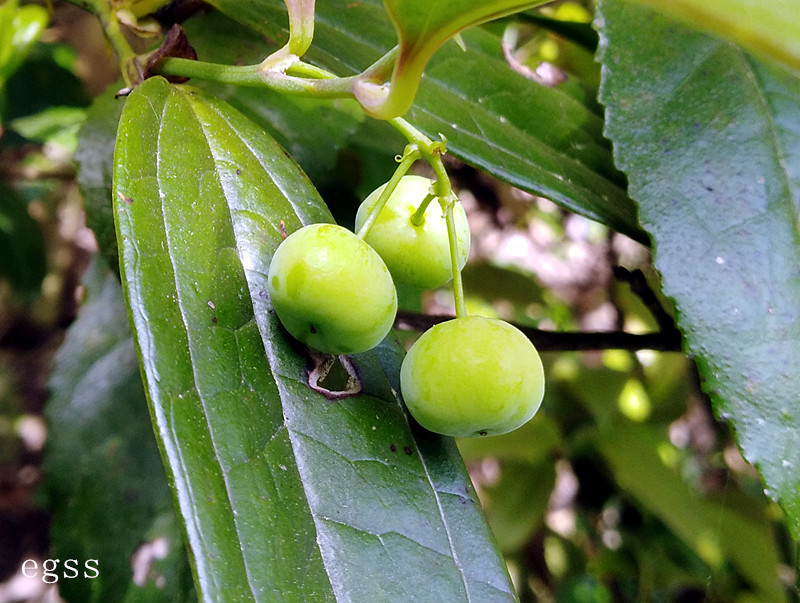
(238,172)
(482,433)
(214,319)
(393,448)
(312,329)
(407,450)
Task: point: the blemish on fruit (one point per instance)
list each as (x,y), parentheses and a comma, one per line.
(482,433)
(214,319)
(392,447)
(407,450)
(238,172)
(312,329)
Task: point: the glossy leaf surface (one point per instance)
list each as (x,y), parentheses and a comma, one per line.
(283,492)
(547,141)
(285,118)
(710,138)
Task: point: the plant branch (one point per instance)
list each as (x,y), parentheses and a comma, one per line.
(254,76)
(639,285)
(562,341)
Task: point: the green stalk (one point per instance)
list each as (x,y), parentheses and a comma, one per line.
(254,76)
(410,155)
(458,285)
(418,219)
(129,64)
(433,151)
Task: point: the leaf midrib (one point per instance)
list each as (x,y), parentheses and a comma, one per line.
(189,337)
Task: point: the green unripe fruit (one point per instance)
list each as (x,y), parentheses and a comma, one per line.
(417,255)
(331,290)
(472,376)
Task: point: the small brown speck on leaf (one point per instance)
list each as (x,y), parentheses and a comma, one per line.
(127,200)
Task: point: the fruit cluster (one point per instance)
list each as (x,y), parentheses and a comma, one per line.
(334,291)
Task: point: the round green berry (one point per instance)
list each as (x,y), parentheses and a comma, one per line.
(417,255)
(472,376)
(331,290)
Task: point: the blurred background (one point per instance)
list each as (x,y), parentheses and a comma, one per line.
(625,487)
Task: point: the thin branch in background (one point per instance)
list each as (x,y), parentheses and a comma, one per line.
(562,341)
(639,285)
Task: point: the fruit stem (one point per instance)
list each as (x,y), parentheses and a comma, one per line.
(458,286)
(418,218)
(433,151)
(410,155)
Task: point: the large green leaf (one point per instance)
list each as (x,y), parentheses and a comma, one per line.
(544,140)
(283,492)
(422,27)
(768,27)
(710,138)
(104,482)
